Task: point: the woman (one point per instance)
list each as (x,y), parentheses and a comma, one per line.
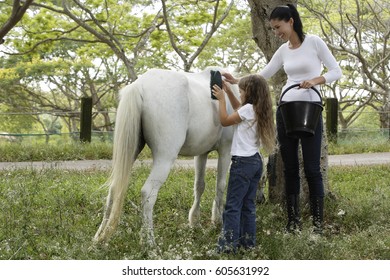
(301,56)
(253,124)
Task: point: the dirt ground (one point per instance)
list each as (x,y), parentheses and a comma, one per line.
(351,160)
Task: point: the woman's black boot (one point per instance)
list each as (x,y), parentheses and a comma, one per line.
(317,211)
(293,213)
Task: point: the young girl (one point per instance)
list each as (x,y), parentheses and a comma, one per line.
(253,124)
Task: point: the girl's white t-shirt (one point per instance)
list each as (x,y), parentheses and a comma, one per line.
(245,139)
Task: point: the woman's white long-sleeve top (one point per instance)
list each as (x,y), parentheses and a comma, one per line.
(303,63)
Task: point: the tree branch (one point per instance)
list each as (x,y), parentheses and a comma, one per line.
(215,24)
(19,8)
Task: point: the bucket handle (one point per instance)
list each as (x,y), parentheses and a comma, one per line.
(297,85)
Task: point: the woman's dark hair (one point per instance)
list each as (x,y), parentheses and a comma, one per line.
(285,13)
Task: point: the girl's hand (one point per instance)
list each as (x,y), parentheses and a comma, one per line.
(226,87)
(218,93)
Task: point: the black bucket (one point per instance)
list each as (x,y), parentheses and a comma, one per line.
(300,117)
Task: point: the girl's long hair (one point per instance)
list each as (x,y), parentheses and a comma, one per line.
(257,93)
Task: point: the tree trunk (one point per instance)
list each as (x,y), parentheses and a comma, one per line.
(269,43)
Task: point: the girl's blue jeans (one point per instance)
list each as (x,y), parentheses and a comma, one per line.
(239,217)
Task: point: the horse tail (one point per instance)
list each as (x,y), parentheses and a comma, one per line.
(126,148)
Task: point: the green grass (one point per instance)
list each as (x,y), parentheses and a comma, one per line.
(49,152)
(53,214)
(68,149)
(359,143)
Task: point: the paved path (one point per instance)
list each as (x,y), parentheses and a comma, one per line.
(334,160)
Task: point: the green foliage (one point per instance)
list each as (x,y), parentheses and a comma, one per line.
(232,46)
(61,61)
(357,33)
(14,123)
(53,214)
(54,151)
(6,9)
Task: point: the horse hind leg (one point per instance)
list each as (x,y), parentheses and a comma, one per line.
(114,203)
(199,187)
(158,175)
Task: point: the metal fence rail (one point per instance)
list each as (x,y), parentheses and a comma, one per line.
(330,113)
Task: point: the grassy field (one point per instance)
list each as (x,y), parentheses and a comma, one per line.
(67,149)
(53,214)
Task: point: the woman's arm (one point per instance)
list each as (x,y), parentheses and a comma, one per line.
(273,66)
(229,78)
(333,68)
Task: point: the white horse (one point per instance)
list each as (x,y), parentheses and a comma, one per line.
(173,114)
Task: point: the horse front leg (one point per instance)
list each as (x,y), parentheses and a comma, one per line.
(149,192)
(199,186)
(223,166)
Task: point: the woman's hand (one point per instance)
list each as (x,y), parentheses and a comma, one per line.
(313,82)
(218,93)
(229,78)
(307,84)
